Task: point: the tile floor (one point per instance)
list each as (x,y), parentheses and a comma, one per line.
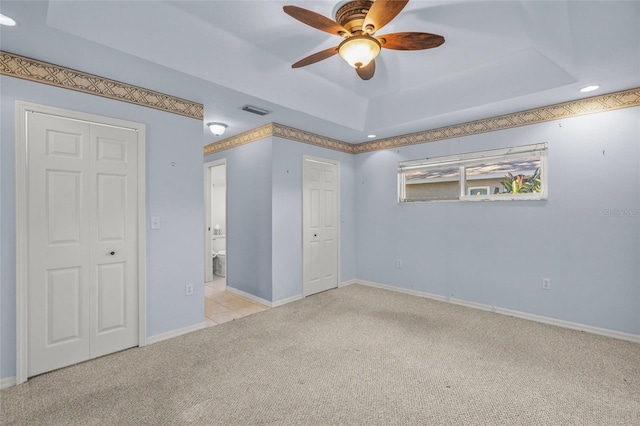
(221,306)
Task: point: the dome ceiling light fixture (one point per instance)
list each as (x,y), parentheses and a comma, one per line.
(217,128)
(8,21)
(357,21)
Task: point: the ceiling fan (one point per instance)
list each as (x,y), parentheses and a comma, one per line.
(357,21)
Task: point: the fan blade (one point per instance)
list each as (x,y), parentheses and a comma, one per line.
(410,41)
(367,72)
(316,20)
(382,12)
(316,57)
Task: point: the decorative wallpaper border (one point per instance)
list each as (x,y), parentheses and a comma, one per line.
(54,75)
(311,138)
(609,102)
(602,103)
(281,131)
(241,139)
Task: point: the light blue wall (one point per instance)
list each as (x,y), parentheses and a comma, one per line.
(496,253)
(287,214)
(264,183)
(249,217)
(493,253)
(174,253)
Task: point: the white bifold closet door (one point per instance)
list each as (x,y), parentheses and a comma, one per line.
(82,286)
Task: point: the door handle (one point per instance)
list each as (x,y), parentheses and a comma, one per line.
(315,235)
(112,253)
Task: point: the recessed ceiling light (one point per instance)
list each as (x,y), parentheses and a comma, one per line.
(371,136)
(5,20)
(589,89)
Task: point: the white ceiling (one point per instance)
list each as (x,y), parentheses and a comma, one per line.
(499,57)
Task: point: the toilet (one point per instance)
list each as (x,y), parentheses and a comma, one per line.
(219,254)
(220,263)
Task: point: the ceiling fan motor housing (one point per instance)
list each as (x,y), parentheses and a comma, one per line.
(351,16)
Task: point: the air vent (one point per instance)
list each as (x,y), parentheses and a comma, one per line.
(255,110)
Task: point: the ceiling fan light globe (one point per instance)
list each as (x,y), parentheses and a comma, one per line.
(359,51)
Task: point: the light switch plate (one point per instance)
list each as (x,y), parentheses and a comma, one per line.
(155,222)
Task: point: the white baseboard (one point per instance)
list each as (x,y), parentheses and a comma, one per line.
(287,300)
(7,382)
(11,381)
(264,301)
(346,283)
(249,296)
(403,290)
(175,333)
(280,302)
(517,314)
(571,325)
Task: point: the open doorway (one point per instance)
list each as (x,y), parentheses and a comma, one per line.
(216,224)
(220,304)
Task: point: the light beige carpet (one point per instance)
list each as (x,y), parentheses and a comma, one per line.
(352,356)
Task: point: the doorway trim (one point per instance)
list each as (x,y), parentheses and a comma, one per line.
(338,219)
(22,225)
(208,260)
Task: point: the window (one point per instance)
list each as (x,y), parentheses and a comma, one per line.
(518,173)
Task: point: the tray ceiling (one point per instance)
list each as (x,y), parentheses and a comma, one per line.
(498,57)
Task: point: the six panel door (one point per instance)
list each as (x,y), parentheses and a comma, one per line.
(320,223)
(82,206)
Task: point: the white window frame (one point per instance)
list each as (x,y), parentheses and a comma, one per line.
(469,159)
(470,189)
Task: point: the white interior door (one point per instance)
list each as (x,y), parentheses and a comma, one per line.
(114,243)
(321,216)
(82,289)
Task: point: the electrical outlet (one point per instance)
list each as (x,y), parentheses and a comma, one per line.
(546,283)
(188,289)
(399,264)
